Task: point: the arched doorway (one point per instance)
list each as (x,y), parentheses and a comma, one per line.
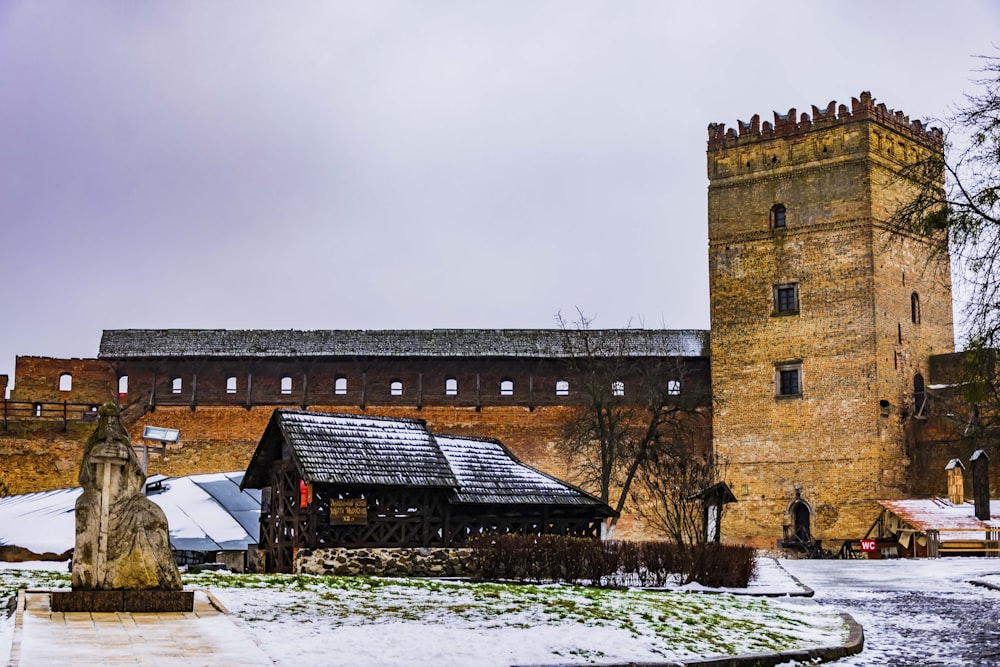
(801,514)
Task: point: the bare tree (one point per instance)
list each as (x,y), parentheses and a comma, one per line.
(956,206)
(670,496)
(956,202)
(633,405)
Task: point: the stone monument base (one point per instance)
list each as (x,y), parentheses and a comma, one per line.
(149,601)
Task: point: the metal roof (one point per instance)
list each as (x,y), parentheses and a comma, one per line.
(488,473)
(538,343)
(359,449)
(204,513)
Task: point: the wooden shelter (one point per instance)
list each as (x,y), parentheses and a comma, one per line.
(343,480)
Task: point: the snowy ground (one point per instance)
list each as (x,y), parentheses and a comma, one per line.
(914,612)
(370,621)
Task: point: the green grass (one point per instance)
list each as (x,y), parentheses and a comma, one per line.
(671,623)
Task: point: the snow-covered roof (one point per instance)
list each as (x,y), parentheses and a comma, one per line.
(488,473)
(352,450)
(204,512)
(364,450)
(538,343)
(953,522)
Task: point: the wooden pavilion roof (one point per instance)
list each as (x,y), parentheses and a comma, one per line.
(352,450)
(488,473)
(364,450)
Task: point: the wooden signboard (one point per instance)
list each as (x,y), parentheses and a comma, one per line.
(348,512)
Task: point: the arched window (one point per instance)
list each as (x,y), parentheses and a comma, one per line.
(562,388)
(778,215)
(673,387)
(915,308)
(286,385)
(450,387)
(176,386)
(919,397)
(123,385)
(38,409)
(507,388)
(396,388)
(231,384)
(617,388)
(65,382)
(340,385)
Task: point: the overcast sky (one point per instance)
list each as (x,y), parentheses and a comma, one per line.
(366,165)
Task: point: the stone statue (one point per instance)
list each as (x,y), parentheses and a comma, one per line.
(122,541)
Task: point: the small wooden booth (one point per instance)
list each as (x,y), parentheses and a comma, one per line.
(344,480)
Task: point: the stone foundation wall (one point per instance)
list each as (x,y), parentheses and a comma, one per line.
(416,562)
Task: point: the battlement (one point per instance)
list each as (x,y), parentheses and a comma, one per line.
(793,123)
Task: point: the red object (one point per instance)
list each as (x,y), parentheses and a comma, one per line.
(303,494)
(868,546)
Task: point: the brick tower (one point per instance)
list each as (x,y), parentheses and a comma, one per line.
(822,318)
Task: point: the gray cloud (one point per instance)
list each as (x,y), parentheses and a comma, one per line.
(393,164)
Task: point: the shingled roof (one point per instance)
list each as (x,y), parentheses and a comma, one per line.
(538,343)
(367,450)
(352,450)
(487,472)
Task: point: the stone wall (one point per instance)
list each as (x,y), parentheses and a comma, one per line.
(419,562)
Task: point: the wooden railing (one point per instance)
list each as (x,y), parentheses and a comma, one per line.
(63,413)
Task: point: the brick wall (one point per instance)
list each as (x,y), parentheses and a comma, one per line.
(836,443)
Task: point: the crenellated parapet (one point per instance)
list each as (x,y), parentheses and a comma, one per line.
(793,123)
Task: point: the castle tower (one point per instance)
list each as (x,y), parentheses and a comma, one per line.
(822,318)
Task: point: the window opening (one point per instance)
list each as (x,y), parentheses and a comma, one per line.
(507,388)
(778,215)
(231,384)
(450,387)
(789,380)
(286,385)
(176,385)
(396,388)
(673,387)
(38,409)
(915,308)
(617,388)
(340,385)
(562,388)
(123,385)
(786,298)
(65,382)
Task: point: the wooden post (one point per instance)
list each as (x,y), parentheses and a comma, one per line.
(152,394)
(420,391)
(981,484)
(305,390)
(249,389)
(194,390)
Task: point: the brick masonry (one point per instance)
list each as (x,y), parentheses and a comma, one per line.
(841,443)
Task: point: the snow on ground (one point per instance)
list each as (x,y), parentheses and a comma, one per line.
(363,621)
(370,621)
(914,612)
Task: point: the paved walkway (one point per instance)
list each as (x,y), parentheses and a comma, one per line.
(206,636)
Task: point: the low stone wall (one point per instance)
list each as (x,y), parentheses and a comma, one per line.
(418,562)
